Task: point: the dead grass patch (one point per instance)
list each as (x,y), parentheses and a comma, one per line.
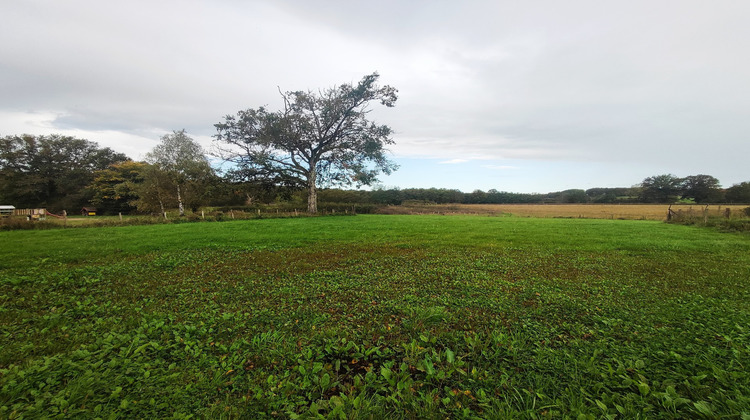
(582,211)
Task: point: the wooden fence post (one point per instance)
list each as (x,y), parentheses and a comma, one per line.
(705,215)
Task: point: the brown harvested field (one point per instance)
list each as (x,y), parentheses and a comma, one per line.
(583,211)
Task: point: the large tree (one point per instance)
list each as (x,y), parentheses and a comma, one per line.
(661,188)
(114,190)
(50,171)
(702,189)
(739,193)
(156,192)
(318,138)
(183,162)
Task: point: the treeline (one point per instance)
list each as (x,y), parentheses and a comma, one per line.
(397,196)
(64,173)
(668,188)
(739,193)
(50,171)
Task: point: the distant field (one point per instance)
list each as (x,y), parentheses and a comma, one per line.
(584,211)
(376,317)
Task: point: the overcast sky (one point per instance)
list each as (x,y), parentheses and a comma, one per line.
(531,96)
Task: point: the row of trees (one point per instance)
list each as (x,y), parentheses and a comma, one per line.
(318,138)
(739,193)
(59,172)
(50,171)
(175,174)
(64,173)
(699,188)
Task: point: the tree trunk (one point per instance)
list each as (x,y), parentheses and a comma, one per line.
(179,201)
(312,193)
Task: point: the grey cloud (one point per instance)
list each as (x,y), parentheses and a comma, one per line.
(636,81)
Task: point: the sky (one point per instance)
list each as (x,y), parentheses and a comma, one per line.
(532,96)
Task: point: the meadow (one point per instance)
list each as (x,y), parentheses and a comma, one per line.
(580,211)
(375,316)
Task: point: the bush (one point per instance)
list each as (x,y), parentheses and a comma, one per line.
(726,221)
(283,210)
(17,223)
(345,208)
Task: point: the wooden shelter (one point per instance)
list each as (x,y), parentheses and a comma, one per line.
(88,211)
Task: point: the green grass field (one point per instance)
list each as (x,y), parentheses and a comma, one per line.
(376,317)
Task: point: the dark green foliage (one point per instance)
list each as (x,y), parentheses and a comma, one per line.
(50,171)
(661,189)
(376,317)
(573,196)
(114,190)
(395,196)
(739,193)
(434,195)
(344,196)
(613,195)
(694,188)
(504,197)
(702,189)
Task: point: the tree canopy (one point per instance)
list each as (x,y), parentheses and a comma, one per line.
(661,188)
(668,188)
(183,165)
(50,171)
(320,137)
(279,159)
(702,189)
(739,193)
(113,190)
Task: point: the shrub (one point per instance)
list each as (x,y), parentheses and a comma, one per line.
(16,223)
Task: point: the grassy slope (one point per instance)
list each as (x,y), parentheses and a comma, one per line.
(371,315)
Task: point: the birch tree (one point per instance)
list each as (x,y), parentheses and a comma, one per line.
(182,160)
